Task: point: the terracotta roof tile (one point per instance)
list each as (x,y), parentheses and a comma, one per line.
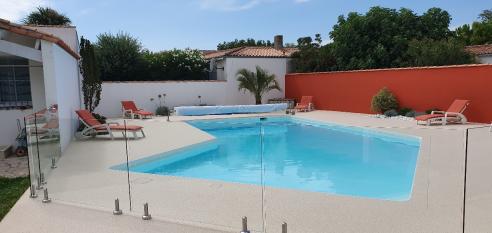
(479,49)
(33,33)
(269,52)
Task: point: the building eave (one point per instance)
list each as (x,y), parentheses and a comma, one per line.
(25,31)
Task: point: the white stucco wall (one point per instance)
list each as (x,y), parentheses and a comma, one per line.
(8,125)
(36,79)
(277,66)
(62,87)
(67,34)
(487,59)
(178,93)
(186,92)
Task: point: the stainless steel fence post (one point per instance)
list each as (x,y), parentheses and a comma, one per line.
(245,225)
(117,210)
(32,192)
(46,198)
(146,215)
(53,163)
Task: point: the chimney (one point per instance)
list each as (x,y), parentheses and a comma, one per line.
(278,42)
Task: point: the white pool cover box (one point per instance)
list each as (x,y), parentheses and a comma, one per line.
(229,109)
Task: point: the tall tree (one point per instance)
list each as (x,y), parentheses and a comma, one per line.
(91,82)
(479,32)
(240,43)
(258,83)
(120,57)
(379,38)
(313,56)
(486,16)
(429,52)
(435,24)
(46,16)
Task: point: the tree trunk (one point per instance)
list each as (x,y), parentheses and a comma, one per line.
(258,100)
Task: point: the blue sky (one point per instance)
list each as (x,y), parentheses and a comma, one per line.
(168,24)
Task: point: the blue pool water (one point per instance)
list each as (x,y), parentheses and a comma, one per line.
(297,154)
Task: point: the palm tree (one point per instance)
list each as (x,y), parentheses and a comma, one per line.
(257,83)
(46,16)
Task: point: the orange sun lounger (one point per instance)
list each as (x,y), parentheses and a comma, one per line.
(131,109)
(306,104)
(454,114)
(93,126)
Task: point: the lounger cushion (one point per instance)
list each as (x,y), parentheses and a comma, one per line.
(428,116)
(144,113)
(87,117)
(128,127)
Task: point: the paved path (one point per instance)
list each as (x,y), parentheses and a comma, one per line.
(13,166)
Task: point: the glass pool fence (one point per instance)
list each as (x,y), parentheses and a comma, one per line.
(267,170)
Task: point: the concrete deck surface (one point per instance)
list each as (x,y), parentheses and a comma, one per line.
(33,216)
(84,183)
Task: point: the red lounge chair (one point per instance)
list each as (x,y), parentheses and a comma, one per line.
(454,114)
(93,126)
(131,109)
(306,104)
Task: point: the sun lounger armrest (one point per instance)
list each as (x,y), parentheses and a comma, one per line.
(111,123)
(438,112)
(446,114)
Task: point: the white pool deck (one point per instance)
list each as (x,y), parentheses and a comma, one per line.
(83,188)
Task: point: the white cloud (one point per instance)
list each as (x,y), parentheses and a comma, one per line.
(229,5)
(16,10)
(236,5)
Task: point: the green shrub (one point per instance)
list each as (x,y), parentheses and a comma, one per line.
(411,114)
(383,101)
(119,57)
(162,111)
(391,113)
(429,111)
(404,111)
(100,118)
(176,64)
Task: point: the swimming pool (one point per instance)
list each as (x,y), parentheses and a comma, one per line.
(296,154)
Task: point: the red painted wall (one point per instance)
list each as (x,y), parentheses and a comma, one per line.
(417,88)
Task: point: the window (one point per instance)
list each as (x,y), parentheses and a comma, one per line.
(15,87)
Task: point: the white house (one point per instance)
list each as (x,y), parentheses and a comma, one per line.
(226,63)
(38,69)
(222,89)
(483,53)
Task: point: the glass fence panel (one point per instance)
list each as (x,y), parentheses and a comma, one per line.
(28,139)
(281,172)
(48,140)
(325,177)
(478,190)
(201,172)
(88,172)
(42,143)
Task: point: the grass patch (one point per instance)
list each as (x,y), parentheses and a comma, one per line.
(10,191)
